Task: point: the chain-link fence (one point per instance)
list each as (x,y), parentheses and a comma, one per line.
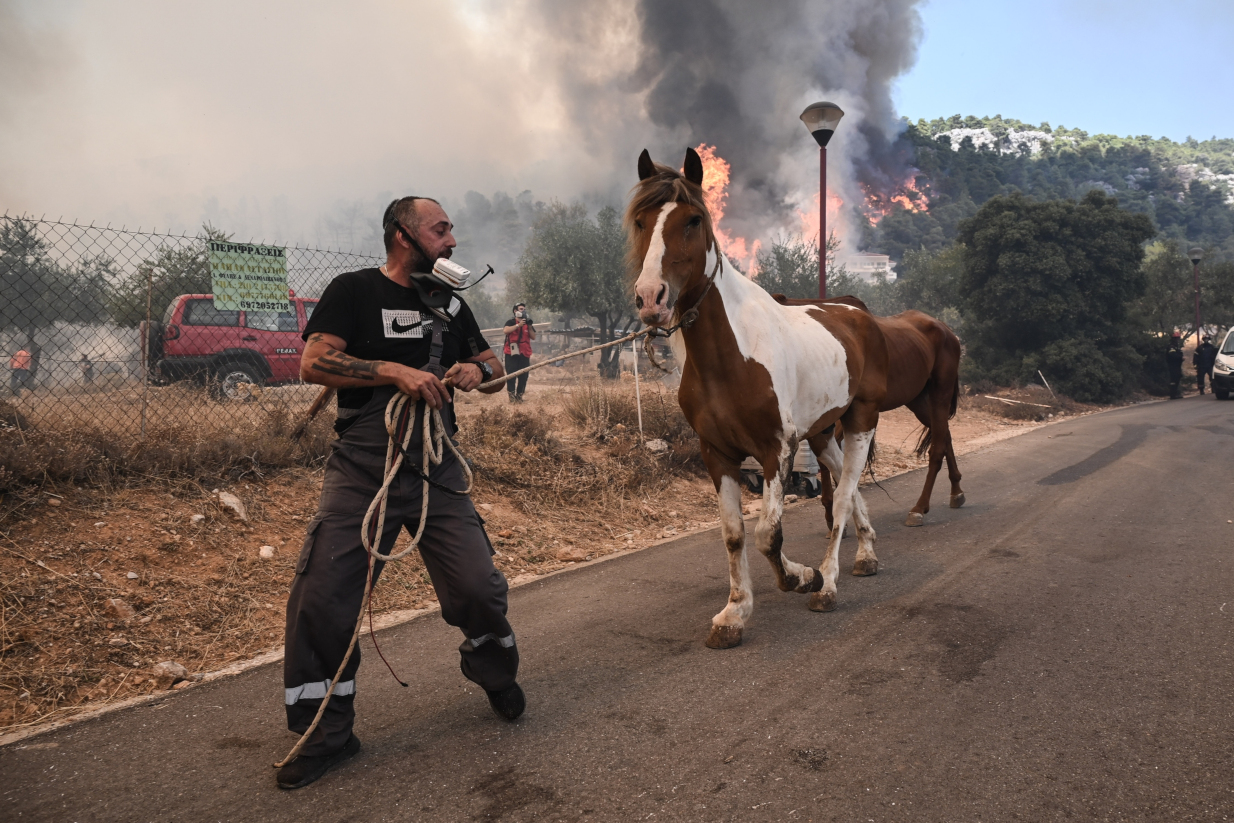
(116,332)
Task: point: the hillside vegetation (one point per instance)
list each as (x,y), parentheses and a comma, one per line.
(1186,189)
(1049,250)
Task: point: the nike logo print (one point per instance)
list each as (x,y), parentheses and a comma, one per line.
(399,328)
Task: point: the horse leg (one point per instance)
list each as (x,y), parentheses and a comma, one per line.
(769,534)
(818,445)
(727,625)
(923,409)
(866,564)
(857,447)
(953,470)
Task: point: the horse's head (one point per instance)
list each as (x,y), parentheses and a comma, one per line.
(669,234)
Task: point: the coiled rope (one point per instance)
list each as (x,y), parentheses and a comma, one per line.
(400,426)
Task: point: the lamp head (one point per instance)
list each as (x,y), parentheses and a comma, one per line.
(821,119)
(1196,255)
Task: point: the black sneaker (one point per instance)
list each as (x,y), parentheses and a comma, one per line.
(307,768)
(509,702)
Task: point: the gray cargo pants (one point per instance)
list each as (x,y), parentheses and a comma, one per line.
(329,582)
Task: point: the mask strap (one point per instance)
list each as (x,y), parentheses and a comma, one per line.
(415,244)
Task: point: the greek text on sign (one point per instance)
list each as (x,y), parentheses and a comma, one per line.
(248,277)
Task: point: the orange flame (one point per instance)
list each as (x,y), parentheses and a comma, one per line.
(907,196)
(715,192)
(809,219)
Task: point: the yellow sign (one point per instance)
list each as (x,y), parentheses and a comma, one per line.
(248,277)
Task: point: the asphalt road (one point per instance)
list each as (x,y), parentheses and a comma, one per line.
(1060,648)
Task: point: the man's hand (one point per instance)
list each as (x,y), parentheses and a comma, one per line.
(416,384)
(465,376)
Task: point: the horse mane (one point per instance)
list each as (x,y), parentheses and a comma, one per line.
(667,185)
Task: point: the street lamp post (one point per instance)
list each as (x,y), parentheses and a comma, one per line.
(1196,255)
(821,119)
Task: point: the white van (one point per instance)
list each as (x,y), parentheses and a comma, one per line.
(1223,368)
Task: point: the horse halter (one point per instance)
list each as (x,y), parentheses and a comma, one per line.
(690,316)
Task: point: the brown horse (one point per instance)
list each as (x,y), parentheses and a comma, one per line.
(757,378)
(924,375)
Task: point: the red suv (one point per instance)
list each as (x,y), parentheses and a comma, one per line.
(226,349)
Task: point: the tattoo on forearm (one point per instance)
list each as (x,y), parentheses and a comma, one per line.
(344,365)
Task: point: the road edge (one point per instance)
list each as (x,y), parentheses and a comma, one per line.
(398,618)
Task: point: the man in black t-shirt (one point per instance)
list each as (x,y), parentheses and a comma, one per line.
(375,332)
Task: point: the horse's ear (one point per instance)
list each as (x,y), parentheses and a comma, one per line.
(646,168)
(693,167)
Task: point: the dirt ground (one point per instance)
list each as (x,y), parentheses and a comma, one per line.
(98,586)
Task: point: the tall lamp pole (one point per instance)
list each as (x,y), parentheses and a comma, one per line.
(821,119)
(1196,255)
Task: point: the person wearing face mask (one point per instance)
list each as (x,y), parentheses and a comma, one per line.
(519,331)
(376,332)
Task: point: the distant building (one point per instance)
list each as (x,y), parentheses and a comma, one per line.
(868,266)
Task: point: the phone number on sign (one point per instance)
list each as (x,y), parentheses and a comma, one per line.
(263,305)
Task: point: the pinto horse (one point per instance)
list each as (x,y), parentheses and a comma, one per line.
(924,375)
(756,379)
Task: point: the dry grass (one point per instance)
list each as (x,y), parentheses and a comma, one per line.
(237,440)
(203,596)
(1029,402)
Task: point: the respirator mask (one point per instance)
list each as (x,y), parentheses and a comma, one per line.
(438,285)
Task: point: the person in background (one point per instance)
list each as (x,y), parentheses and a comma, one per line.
(1174,364)
(20,364)
(87,370)
(519,331)
(1203,359)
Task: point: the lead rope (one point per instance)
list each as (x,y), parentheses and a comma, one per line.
(435,439)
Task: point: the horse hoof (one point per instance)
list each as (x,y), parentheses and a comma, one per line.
(915,519)
(865,568)
(957,500)
(724,637)
(822,601)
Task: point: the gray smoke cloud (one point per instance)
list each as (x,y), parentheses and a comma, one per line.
(736,75)
(297,121)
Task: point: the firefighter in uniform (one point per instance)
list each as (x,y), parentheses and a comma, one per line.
(1203,359)
(376,332)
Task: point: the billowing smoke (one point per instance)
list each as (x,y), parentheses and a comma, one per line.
(296,120)
(736,74)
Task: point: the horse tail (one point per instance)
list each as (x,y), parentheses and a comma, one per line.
(870,455)
(923,442)
(955,395)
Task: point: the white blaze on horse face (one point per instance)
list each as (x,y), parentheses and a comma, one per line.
(651,279)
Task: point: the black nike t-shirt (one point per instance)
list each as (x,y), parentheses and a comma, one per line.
(381,320)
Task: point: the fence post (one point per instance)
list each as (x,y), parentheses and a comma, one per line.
(638,396)
(145,389)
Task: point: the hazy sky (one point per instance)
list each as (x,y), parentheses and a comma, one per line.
(1125,67)
(267,117)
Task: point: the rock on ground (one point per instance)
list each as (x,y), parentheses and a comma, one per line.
(167,674)
(229,502)
(573,554)
(117,608)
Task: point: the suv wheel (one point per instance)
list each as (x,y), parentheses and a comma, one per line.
(236,381)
